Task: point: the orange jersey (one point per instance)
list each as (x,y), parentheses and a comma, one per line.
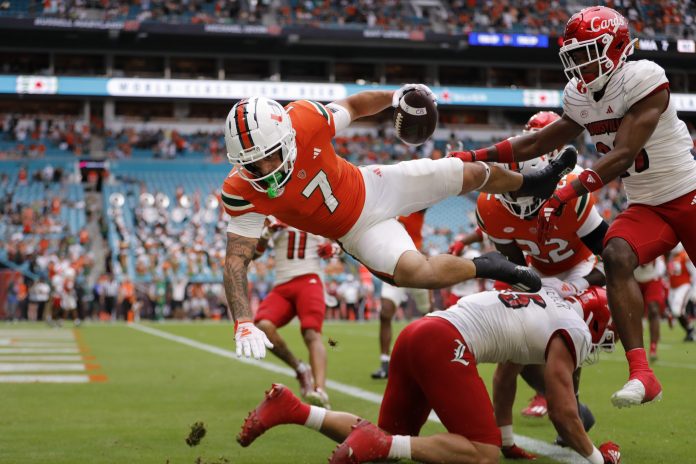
(678,270)
(561,252)
(325,194)
(413,223)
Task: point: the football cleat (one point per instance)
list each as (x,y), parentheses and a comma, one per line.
(610,452)
(537,407)
(638,391)
(542,183)
(318,397)
(690,336)
(304,376)
(382,372)
(515,452)
(495,266)
(279,406)
(366,443)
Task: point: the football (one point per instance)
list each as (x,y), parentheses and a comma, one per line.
(415,118)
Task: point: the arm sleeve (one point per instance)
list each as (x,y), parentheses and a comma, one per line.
(247,225)
(341,116)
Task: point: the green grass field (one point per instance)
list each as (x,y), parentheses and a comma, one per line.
(157,388)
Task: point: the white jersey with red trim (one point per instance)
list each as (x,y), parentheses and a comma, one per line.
(664,169)
(295,254)
(517,327)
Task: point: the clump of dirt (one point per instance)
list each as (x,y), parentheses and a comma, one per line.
(196,435)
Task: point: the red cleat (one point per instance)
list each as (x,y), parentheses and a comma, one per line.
(515,452)
(280,406)
(610,452)
(366,443)
(642,387)
(537,407)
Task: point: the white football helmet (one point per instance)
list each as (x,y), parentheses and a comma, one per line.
(256,128)
(523,207)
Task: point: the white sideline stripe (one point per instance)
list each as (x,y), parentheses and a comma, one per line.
(41,334)
(44,379)
(39,350)
(65,344)
(40,358)
(39,367)
(537,446)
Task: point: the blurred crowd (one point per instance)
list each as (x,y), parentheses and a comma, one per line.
(649,19)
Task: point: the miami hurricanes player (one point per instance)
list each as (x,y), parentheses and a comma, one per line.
(392,297)
(682,274)
(566,260)
(652,286)
(438,355)
(626,108)
(298,290)
(286,166)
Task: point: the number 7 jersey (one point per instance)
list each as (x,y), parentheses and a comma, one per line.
(325,194)
(665,169)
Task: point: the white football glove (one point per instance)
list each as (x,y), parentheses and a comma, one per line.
(251,341)
(400,93)
(564,289)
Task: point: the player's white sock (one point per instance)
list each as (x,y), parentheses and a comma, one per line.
(400,447)
(508,436)
(316,417)
(384,358)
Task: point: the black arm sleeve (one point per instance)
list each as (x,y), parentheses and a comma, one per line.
(595,239)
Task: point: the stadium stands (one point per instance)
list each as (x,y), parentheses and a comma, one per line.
(650,19)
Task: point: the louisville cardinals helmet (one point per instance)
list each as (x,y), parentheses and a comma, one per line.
(603,35)
(595,312)
(257,128)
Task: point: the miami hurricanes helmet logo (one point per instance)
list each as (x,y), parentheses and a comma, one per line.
(277,117)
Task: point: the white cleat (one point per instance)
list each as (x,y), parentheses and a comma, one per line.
(632,394)
(318,397)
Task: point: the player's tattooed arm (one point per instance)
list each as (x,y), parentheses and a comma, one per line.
(240,250)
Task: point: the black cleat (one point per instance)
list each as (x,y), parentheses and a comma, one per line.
(382,372)
(495,266)
(588,421)
(689,336)
(541,184)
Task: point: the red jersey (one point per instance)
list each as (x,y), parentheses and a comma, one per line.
(325,194)
(678,270)
(413,223)
(563,249)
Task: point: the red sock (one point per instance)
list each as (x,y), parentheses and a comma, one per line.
(300,414)
(653,347)
(637,360)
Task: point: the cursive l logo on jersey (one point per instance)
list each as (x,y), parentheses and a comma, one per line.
(459,352)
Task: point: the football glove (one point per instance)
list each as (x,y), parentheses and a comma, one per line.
(250,340)
(610,452)
(565,289)
(549,213)
(328,250)
(456,248)
(398,95)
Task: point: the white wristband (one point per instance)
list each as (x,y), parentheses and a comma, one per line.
(596,456)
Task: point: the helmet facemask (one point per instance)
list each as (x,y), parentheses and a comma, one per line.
(260,129)
(245,164)
(595,52)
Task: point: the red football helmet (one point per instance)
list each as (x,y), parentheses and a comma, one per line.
(540,120)
(603,35)
(595,312)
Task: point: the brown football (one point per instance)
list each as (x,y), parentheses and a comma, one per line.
(415,118)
